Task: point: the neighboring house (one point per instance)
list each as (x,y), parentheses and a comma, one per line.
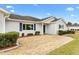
(27,24)
(74,28)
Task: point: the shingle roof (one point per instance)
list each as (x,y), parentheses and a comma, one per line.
(46,18)
(55,19)
(13,16)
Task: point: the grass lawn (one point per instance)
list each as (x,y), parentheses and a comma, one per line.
(71,48)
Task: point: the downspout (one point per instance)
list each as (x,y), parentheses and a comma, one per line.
(6,16)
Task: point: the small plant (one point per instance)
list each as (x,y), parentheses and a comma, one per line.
(23,35)
(70,32)
(37,33)
(61,32)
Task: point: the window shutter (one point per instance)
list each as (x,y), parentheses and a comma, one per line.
(20,26)
(24,27)
(34,26)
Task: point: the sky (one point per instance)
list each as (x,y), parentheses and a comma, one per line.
(69,12)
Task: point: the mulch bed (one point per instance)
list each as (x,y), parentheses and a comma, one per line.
(8,47)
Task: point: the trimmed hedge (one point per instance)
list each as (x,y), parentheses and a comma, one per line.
(8,39)
(61,32)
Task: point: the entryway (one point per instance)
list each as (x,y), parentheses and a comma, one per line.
(44,29)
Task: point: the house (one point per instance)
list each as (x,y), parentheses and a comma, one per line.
(27,24)
(74,28)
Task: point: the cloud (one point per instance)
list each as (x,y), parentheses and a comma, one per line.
(48,14)
(8,6)
(12,10)
(70,9)
(72,15)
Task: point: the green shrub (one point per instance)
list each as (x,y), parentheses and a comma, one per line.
(37,33)
(70,32)
(2,39)
(61,32)
(8,39)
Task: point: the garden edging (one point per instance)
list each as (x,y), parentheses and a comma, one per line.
(8,49)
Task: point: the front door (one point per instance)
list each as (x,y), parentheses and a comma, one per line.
(44,29)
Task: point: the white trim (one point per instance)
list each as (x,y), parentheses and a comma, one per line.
(20,20)
(4,11)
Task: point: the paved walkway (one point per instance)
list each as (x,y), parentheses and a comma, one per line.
(38,45)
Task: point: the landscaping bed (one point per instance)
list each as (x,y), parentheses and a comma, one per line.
(7,47)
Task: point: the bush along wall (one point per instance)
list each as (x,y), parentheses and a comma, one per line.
(8,39)
(61,32)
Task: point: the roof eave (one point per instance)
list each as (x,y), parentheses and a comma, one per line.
(4,11)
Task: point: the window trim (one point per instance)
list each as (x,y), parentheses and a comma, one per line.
(61,26)
(30,28)
(26,26)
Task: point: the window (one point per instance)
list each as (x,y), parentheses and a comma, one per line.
(20,28)
(29,26)
(61,26)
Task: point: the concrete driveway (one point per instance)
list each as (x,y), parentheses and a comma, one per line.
(38,45)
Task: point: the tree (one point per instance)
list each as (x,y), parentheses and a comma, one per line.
(69,23)
(75,24)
